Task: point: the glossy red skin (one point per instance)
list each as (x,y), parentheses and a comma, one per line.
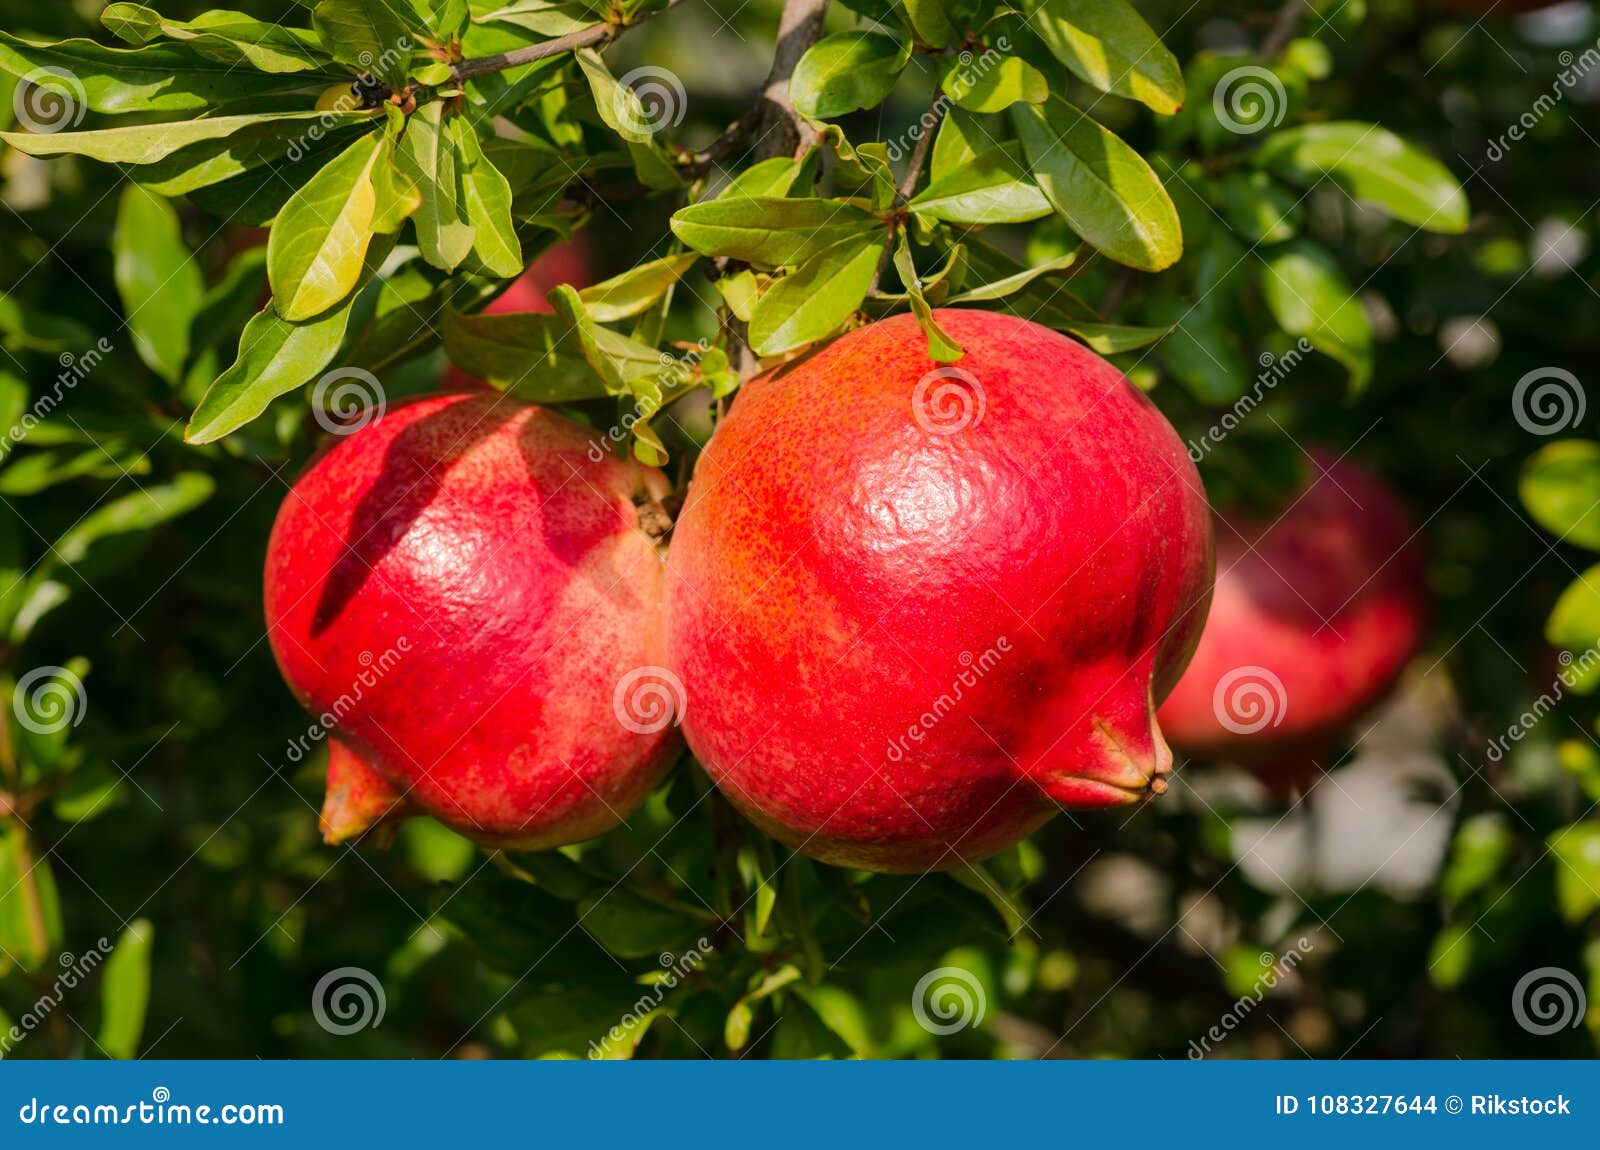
(1329,595)
(565,263)
(480,532)
(837,566)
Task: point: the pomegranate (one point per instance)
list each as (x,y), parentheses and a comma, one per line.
(1315,613)
(916,609)
(466,593)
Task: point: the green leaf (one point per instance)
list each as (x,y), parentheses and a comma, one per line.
(1576,849)
(24,326)
(632,926)
(539,357)
(280,141)
(147,143)
(941,348)
(1574,623)
(275,356)
(95,545)
(846,72)
(153,78)
(993,86)
(30,908)
(368,36)
(1478,854)
(1308,296)
(619,105)
(318,245)
(228,37)
(1102,187)
(427,156)
(1107,44)
(1259,209)
(962,136)
(567,1021)
(157,278)
(495,249)
(1372,164)
(125,991)
(817,298)
(932,21)
(1560,487)
(991,188)
(1005,284)
(636,290)
(771,232)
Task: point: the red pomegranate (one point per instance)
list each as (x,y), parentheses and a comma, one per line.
(1315,612)
(916,609)
(464,593)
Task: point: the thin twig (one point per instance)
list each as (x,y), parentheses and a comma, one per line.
(1283,30)
(908,183)
(595,36)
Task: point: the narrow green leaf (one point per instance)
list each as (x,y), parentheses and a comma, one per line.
(941,348)
(225,36)
(539,357)
(846,72)
(933,22)
(991,188)
(152,78)
(369,36)
(125,991)
(1109,45)
(1309,296)
(771,232)
(157,278)
(147,143)
(962,136)
(1102,187)
(817,298)
(1372,164)
(427,156)
(318,245)
(619,105)
(495,249)
(637,289)
(275,357)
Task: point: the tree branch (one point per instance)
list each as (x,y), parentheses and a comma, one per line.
(1283,29)
(596,36)
(782,131)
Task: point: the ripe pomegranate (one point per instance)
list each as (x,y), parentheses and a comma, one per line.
(565,263)
(474,605)
(1315,613)
(917,609)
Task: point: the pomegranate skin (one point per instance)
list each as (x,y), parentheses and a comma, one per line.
(460,586)
(908,638)
(1315,613)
